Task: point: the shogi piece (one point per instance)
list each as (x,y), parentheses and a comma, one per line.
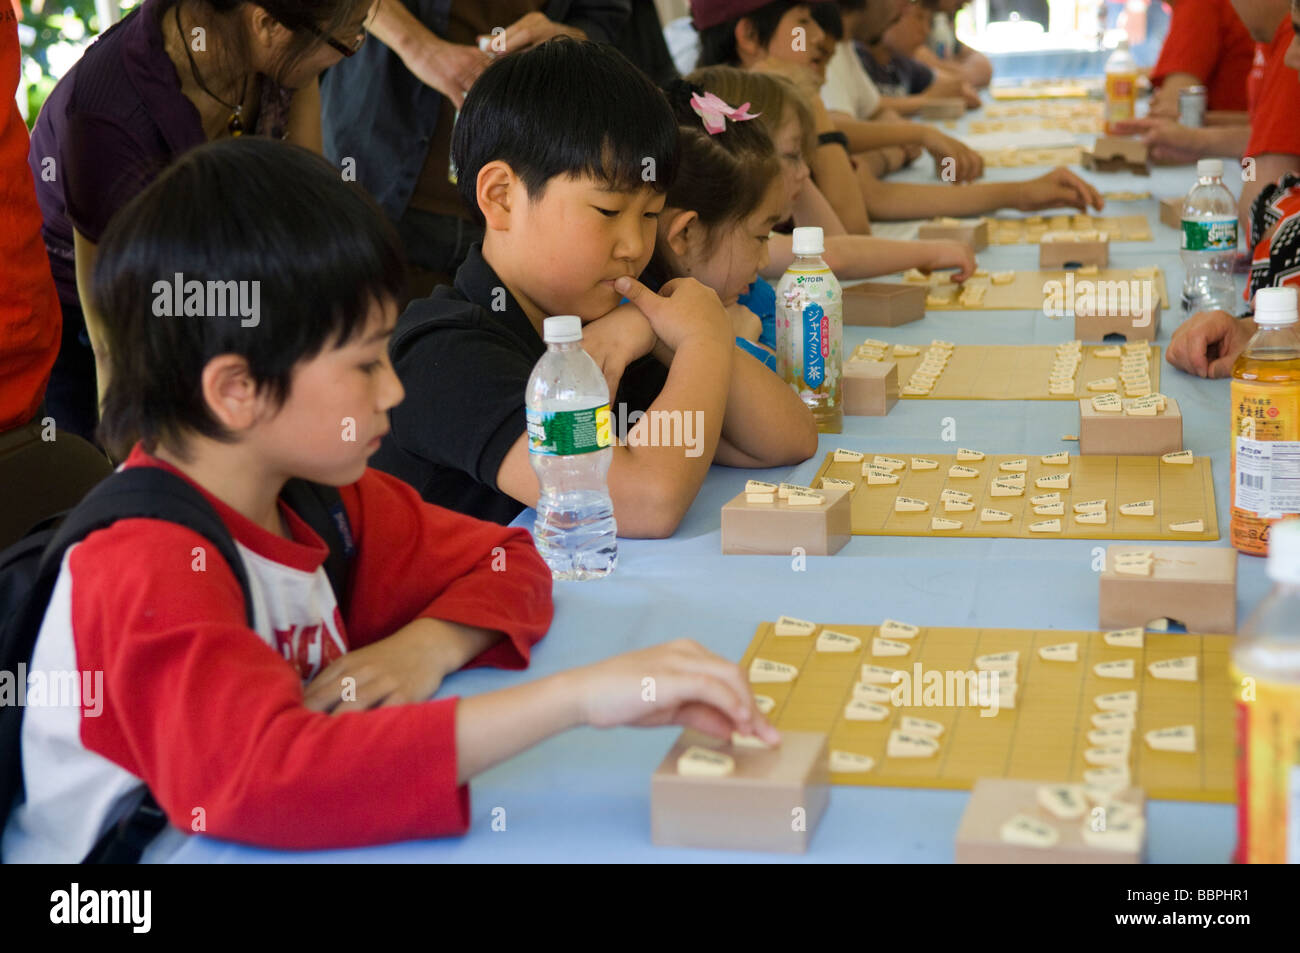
(1126,435)
(883,304)
(1111,154)
(1171,212)
(869,388)
(775,529)
(974,234)
(1140,321)
(943,107)
(1066,250)
(754,807)
(1194,585)
(994,801)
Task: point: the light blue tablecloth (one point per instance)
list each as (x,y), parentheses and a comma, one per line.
(585,796)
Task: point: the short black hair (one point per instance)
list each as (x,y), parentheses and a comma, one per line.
(827,16)
(718,42)
(250,209)
(565,107)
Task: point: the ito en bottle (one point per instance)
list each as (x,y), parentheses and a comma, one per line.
(1265,675)
(570,448)
(809,330)
(1265,398)
(1121,86)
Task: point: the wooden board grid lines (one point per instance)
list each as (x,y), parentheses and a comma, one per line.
(1030,291)
(1010,372)
(1181,492)
(1026,158)
(1043,736)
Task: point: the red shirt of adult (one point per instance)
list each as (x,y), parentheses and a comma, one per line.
(1208,40)
(1274,91)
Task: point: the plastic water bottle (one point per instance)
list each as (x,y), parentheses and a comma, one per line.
(1266,686)
(569,446)
(1209,242)
(809,330)
(1121,86)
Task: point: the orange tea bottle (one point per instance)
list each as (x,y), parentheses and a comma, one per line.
(1266,423)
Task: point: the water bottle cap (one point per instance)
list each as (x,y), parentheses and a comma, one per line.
(1205,167)
(562,329)
(1276,306)
(808,240)
(1284,552)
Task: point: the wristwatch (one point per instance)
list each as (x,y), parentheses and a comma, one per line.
(834,136)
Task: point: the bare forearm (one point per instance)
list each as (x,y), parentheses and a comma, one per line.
(496,726)
(903,105)
(766,424)
(456,645)
(878,134)
(904,200)
(398,29)
(833,172)
(1228,142)
(863,256)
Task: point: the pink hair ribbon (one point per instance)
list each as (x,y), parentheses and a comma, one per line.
(715,112)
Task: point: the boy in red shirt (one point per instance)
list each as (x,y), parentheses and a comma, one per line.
(311,728)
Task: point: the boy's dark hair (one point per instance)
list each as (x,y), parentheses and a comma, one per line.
(238,210)
(827,16)
(718,43)
(565,107)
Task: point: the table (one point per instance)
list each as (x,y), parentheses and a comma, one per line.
(585,796)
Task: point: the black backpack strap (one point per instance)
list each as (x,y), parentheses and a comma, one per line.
(145,493)
(321,508)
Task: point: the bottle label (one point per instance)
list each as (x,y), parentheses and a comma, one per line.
(816,344)
(1268,766)
(1215,235)
(566,433)
(1265,450)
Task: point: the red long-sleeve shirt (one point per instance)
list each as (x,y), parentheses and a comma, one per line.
(209,713)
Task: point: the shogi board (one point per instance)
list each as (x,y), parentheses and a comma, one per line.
(1181,492)
(1040,89)
(1018,158)
(1026,291)
(1035,109)
(1028,230)
(1084,124)
(1011,372)
(1043,737)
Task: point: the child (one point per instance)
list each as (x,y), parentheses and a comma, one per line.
(566,151)
(760,36)
(719,213)
(787,120)
(299,732)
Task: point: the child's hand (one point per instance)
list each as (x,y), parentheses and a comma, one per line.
(679,683)
(616,340)
(954,161)
(683,309)
(745,323)
(403,668)
(1059,188)
(534,28)
(944,254)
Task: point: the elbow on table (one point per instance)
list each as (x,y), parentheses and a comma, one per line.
(654,509)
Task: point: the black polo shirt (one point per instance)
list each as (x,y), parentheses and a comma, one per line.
(465,368)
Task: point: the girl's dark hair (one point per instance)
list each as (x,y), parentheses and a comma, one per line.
(304,17)
(827,16)
(723,176)
(565,107)
(718,42)
(317,253)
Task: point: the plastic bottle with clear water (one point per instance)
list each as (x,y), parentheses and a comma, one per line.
(1209,242)
(809,330)
(1266,689)
(1121,86)
(570,448)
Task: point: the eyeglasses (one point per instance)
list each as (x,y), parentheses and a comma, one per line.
(337,45)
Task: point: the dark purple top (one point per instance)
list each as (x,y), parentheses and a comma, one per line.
(112,124)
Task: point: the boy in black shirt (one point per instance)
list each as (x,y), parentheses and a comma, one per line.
(566,152)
